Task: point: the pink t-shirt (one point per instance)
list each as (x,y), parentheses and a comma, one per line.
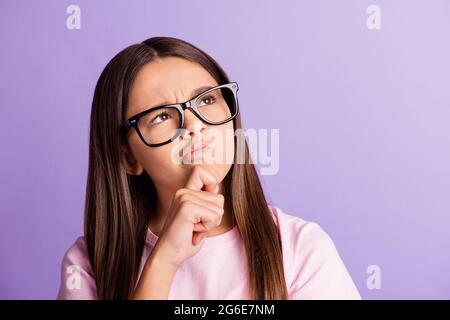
(313,267)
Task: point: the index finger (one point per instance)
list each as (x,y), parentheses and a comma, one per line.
(201,177)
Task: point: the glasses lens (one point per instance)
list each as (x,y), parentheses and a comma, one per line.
(159,125)
(217,105)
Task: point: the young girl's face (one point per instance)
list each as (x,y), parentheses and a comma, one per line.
(167,81)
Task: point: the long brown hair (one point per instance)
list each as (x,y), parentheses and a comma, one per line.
(118,205)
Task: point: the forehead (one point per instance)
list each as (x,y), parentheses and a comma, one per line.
(166,80)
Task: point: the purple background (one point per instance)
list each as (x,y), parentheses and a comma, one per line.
(363,118)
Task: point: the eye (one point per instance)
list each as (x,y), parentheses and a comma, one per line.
(207,100)
(161,117)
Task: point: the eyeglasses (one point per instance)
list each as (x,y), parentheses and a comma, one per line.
(160,125)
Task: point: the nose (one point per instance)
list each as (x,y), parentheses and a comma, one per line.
(193,125)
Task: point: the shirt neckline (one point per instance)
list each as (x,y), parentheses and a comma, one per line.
(213,241)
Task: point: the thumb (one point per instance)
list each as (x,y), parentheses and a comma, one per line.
(198,237)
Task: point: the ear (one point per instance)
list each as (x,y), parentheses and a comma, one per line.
(129,163)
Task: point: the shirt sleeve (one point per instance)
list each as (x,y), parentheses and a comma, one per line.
(319,272)
(77,281)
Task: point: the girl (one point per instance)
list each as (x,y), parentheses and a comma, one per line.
(166,215)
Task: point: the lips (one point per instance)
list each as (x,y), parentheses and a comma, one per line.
(195,152)
(194,147)
(198,149)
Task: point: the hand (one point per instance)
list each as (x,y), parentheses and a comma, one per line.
(195,209)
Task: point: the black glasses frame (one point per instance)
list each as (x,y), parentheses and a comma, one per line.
(133,121)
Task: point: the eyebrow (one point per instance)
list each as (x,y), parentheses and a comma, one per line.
(194,93)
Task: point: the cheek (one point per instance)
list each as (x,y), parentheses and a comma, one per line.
(158,164)
(222,141)
(163,170)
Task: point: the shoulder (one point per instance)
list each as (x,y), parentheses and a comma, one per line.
(295,228)
(77,280)
(77,251)
(313,267)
